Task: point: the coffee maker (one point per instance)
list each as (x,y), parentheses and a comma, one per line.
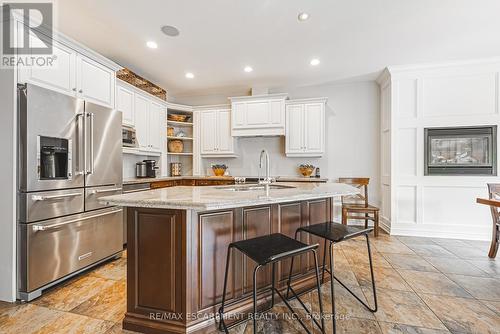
(151,168)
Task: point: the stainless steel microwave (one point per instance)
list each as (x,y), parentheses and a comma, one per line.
(129,138)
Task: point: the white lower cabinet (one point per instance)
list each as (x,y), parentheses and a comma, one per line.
(305,128)
(215,133)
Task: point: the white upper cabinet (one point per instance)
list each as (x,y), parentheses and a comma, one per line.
(305,128)
(95,82)
(141,107)
(61,77)
(262,115)
(125,104)
(208,140)
(226,141)
(215,133)
(156,125)
(144,112)
(314,125)
(294,128)
(75,70)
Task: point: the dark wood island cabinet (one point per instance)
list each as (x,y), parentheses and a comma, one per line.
(176,262)
(176,256)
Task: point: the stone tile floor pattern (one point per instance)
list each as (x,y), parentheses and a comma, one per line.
(424,286)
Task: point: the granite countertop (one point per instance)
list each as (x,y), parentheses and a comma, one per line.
(218,197)
(136,180)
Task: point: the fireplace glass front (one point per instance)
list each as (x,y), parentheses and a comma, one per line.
(462,151)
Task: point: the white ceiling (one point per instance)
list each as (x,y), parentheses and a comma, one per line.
(352,38)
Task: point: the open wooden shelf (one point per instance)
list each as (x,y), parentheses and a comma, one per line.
(183,153)
(138,151)
(180,138)
(180,123)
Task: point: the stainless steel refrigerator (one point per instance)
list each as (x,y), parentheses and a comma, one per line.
(70,154)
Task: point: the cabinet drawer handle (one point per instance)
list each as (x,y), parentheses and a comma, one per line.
(52,226)
(84,256)
(100,191)
(44,198)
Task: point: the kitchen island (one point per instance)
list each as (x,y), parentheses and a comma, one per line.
(177,247)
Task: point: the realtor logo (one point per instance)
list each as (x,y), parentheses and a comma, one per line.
(27,34)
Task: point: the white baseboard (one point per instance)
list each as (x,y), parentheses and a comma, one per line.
(442,231)
(385,225)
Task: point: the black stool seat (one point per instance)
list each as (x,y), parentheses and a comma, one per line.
(271,248)
(335,232)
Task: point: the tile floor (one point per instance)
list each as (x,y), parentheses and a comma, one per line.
(424,286)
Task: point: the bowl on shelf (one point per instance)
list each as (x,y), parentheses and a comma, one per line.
(170,131)
(175,146)
(177,117)
(219,170)
(306,170)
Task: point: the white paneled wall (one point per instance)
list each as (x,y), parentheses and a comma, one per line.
(414,98)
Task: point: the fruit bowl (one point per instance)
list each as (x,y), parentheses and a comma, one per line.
(219,170)
(306,170)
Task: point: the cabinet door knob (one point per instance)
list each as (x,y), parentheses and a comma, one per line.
(74,89)
(80,91)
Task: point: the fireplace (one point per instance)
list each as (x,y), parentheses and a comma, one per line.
(461,151)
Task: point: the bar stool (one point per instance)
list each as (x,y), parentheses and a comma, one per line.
(266,250)
(335,233)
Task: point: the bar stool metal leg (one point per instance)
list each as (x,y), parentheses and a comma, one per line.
(318,287)
(290,273)
(332,291)
(273,284)
(222,324)
(374,290)
(324,264)
(255,299)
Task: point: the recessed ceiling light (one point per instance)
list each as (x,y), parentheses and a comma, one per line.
(152,45)
(189,75)
(248,69)
(303,16)
(315,61)
(170,31)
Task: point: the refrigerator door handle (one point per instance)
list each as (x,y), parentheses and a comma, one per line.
(82,146)
(91,130)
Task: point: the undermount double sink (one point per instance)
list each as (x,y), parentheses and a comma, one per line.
(253,187)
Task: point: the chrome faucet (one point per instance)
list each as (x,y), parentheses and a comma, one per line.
(268,179)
